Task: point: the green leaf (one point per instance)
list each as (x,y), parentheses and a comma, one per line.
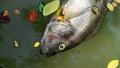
(51,7)
(59,12)
(41,5)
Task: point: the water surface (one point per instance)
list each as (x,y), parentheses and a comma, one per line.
(93,53)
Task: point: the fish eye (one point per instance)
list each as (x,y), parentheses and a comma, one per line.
(61,47)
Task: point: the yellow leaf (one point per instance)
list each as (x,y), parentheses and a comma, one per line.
(110,6)
(117,1)
(113,64)
(36,44)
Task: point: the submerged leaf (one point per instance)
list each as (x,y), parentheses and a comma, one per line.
(51,7)
(113,64)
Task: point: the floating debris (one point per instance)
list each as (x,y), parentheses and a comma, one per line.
(17,11)
(16,43)
(60,15)
(59,18)
(4,17)
(36,44)
(51,7)
(32,17)
(113,5)
(110,6)
(5,13)
(113,64)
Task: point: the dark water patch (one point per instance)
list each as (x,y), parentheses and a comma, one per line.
(25,13)
(7,62)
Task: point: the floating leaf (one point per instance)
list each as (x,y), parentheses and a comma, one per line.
(113,64)
(17,11)
(41,5)
(16,43)
(117,1)
(114,4)
(4,17)
(51,7)
(32,17)
(36,44)
(5,13)
(110,6)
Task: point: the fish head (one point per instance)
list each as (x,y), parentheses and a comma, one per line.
(56,38)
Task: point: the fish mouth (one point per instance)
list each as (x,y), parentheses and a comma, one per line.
(44,50)
(47,53)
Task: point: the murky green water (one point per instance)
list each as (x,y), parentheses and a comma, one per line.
(93,53)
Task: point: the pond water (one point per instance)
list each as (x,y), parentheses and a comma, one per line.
(95,52)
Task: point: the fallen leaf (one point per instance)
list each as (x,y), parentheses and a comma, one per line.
(51,7)
(17,11)
(113,64)
(16,43)
(110,6)
(114,4)
(36,44)
(5,13)
(117,1)
(41,5)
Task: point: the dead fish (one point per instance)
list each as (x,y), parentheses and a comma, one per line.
(81,22)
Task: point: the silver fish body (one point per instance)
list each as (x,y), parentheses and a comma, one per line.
(81,21)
